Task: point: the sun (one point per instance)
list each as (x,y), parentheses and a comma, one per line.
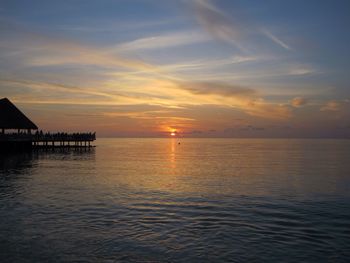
(173,133)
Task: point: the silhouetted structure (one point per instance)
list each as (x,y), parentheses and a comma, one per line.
(12,118)
(21,137)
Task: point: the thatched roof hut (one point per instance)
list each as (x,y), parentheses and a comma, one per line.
(13,118)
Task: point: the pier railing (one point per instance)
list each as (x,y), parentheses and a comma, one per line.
(48,137)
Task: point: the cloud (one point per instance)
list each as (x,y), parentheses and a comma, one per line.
(238,129)
(341,106)
(331,106)
(30,48)
(134,82)
(204,64)
(216,23)
(252,128)
(298,102)
(42,92)
(275,39)
(299,70)
(241,98)
(217,88)
(163,41)
(267,110)
(113,26)
(234,29)
(154,86)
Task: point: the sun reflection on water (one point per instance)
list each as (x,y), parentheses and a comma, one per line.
(173,153)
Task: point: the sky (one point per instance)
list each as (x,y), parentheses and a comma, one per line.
(197,68)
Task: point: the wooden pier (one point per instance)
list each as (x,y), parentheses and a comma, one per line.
(23,141)
(18,133)
(63,140)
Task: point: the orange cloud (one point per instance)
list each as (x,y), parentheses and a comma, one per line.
(298,102)
(331,106)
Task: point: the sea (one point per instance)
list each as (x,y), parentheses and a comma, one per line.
(178,200)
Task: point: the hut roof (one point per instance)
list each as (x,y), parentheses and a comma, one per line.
(13,118)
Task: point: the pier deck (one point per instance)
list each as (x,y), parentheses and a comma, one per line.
(14,141)
(12,119)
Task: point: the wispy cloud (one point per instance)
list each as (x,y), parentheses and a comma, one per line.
(167,40)
(332,105)
(234,29)
(299,101)
(35,49)
(217,23)
(209,63)
(114,26)
(221,89)
(298,70)
(244,99)
(275,39)
(45,92)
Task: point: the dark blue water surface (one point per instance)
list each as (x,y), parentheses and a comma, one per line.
(154,200)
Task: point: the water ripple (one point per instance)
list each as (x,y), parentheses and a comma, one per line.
(152,201)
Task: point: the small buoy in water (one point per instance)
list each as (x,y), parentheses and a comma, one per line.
(178,143)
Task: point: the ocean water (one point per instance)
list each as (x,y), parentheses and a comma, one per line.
(178,200)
